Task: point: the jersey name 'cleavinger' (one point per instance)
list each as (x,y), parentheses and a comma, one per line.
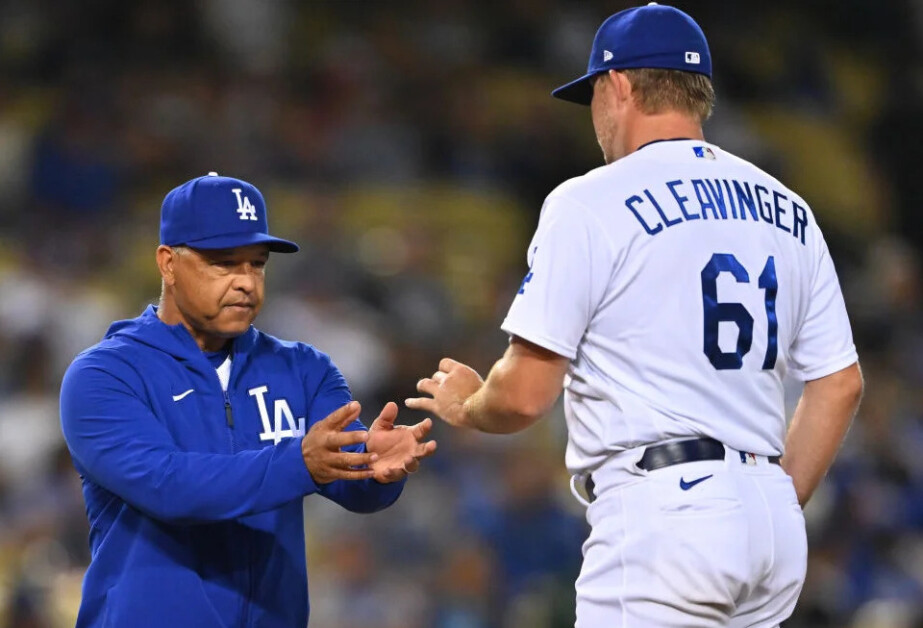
(716,199)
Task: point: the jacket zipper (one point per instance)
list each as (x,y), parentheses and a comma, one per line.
(227,410)
(229,418)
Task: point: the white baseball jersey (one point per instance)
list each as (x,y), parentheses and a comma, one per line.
(683,283)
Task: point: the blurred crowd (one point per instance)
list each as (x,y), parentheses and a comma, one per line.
(407,147)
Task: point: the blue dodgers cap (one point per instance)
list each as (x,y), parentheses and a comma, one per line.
(214,212)
(652,36)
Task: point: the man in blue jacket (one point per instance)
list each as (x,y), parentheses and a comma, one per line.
(197,436)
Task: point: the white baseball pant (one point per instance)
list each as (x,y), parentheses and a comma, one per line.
(666,551)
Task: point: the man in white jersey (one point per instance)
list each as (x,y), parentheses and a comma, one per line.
(668,293)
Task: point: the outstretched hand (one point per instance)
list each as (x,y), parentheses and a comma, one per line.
(449,388)
(398,448)
(320,448)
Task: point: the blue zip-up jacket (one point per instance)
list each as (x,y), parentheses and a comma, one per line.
(195,498)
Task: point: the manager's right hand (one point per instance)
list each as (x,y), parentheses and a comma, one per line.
(321,448)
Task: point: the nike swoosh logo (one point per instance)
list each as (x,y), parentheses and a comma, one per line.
(183,395)
(683,484)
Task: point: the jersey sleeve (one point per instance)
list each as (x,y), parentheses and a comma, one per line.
(355,495)
(570,264)
(824,343)
(119,443)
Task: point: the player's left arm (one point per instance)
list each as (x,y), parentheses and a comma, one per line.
(520,389)
(824,413)
(824,356)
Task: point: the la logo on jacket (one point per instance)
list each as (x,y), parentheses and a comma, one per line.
(275,432)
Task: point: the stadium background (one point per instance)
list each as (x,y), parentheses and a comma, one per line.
(408,147)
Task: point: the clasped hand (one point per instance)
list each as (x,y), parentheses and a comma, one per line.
(391,451)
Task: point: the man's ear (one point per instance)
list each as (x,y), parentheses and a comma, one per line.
(166,261)
(621,85)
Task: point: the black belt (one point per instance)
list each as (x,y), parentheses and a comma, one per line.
(669,454)
(678,452)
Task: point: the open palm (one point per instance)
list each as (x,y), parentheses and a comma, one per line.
(399,447)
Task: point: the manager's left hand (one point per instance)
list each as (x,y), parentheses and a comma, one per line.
(399,447)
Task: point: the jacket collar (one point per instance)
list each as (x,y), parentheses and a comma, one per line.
(175,340)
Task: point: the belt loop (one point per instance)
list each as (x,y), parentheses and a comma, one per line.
(573,489)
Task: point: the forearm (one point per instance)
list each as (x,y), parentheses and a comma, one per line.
(512,399)
(190,487)
(818,427)
(490,410)
(520,389)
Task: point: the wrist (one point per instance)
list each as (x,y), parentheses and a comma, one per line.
(469,415)
(463,419)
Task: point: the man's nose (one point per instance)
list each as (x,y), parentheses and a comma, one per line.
(246,279)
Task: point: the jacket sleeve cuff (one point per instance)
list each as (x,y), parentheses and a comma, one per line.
(296,469)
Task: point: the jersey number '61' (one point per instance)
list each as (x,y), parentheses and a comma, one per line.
(736,313)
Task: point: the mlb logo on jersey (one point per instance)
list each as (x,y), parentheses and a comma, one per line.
(703,152)
(747,458)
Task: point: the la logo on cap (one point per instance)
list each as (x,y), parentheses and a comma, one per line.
(245,208)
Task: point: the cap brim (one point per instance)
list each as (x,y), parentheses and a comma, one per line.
(579,91)
(231,241)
